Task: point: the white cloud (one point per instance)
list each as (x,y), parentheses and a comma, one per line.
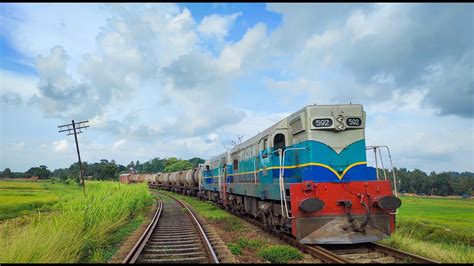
(145,77)
(368,50)
(217,26)
(20,146)
(61,146)
(249,50)
(38,27)
(118,143)
(11,82)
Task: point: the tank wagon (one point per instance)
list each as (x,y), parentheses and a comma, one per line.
(125,178)
(307,176)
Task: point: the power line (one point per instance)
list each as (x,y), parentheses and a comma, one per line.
(75,129)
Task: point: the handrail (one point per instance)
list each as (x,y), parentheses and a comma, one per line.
(383,167)
(255,170)
(282,182)
(376,164)
(140,245)
(395,191)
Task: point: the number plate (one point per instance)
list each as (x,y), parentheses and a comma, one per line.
(322,122)
(354,122)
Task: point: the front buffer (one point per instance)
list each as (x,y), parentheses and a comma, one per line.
(342,213)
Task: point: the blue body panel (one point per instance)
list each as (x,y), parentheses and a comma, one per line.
(259,177)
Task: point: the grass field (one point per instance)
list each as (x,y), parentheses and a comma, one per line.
(56,223)
(76,228)
(438,228)
(24,197)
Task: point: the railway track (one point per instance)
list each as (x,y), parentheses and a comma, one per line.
(355,253)
(369,253)
(174,235)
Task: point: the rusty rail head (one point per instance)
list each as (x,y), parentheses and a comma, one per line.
(140,245)
(208,245)
(324,254)
(400,253)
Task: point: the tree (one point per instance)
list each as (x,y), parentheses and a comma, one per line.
(7,173)
(173,165)
(229,144)
(42,172)
(196,161)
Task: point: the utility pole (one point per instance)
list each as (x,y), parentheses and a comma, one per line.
(75,129)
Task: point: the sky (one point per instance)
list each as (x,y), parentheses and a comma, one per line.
(181,80)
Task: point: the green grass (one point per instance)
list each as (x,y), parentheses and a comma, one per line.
(280,254)
(437,228)
(114,241)
(266,251)
(244,242)
(235,248)
(25,197)
(82,229)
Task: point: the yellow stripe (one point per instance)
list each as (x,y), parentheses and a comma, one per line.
(350,166)
(303,165)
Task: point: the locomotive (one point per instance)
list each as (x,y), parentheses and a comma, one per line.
(307,176)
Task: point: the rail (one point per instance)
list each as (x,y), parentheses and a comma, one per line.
(140,245)
(136,251)
(199,227)
(401,254)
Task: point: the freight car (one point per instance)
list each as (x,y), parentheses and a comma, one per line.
(307,176)
(125,178)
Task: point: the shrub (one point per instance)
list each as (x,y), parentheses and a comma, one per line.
(280,254)
(249,243)
(235,249)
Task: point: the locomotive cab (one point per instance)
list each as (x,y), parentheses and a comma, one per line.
(340,200)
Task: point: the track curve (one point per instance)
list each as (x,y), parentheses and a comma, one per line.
(173,236)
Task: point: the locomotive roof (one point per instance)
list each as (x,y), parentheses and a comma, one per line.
(266,131)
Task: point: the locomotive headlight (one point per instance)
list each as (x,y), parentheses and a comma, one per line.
(388,202)
(311,205)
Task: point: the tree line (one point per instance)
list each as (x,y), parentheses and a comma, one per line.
(105,170)
(416,181)
(440,184)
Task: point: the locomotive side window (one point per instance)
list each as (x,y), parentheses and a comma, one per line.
(263,146)
(279,142)
(236,164)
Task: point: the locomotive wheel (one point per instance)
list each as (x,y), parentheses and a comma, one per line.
(267,219)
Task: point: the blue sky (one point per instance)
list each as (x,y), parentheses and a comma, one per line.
(160,80)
